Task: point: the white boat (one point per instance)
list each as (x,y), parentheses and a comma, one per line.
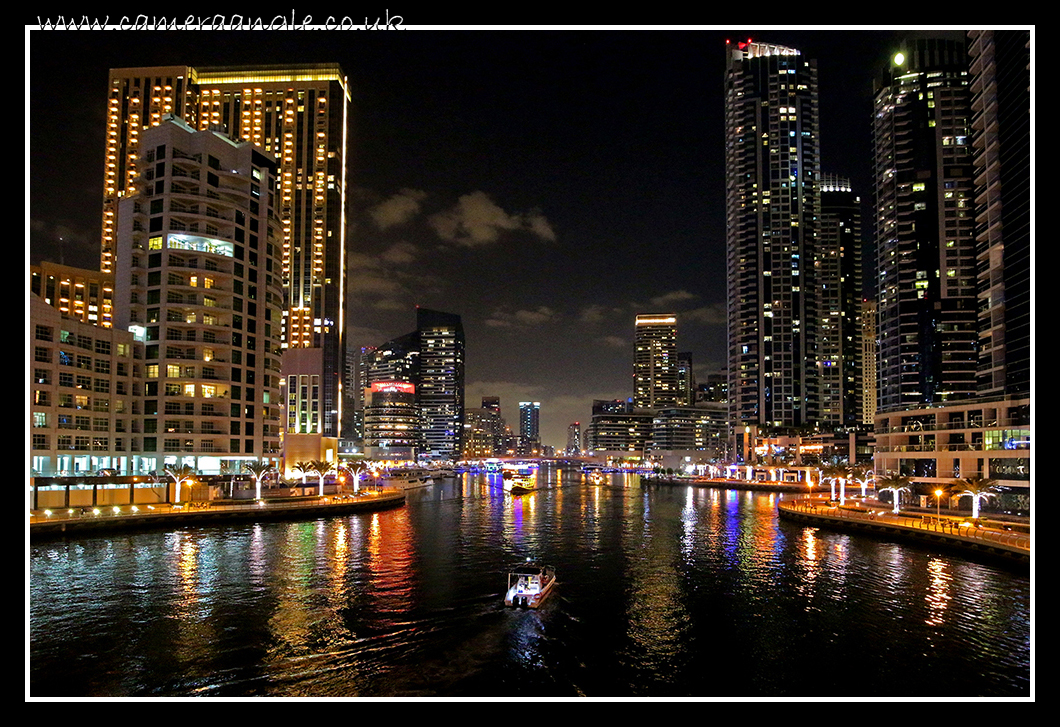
(405,479)
(529,585)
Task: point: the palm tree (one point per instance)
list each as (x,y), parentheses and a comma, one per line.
(862,474)
(356,469)
(259,470)
(304,468)
(895,484)
(231,468)
(979,488)
(835,470)
(183,473)
(321,467)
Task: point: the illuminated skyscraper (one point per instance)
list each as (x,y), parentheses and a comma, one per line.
(441,383)
(925,227)
(299,115)
(772,165)
(195,260)
(530,421)
(839,274)
(574,439)
(655,368)
(1001,120)
(954,205)
(391,421)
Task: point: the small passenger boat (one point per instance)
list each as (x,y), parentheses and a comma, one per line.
(517,482)
(529,584)
(597,477)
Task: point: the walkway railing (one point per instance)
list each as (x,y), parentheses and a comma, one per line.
(944,526)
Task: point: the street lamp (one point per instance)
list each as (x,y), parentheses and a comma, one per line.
(938,506)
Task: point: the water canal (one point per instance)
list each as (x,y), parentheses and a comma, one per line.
(664,592)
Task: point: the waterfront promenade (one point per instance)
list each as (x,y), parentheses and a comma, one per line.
(84,520)
(995,538)
(1009,540)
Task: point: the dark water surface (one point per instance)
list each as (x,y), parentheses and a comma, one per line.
(663,591)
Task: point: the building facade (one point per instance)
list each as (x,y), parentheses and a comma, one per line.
(85,394)
(839,289)
(530,420)
(985,438)
(299,114)
(618,428)
(925,227)
(574,439)
(772,169)
(1000,88)
(441,383)
(655,366)
(391,421)
(85,295)
(985,433)
(198,249)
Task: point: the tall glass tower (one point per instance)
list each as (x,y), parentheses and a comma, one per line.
(925,227)
(772,165)
(655,366)
(839,345)
(530,420)
(1001,120)
(441,383)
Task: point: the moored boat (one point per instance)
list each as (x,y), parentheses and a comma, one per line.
(529,584)
(404,479)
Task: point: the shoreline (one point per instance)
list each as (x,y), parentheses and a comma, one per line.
(42,526)
(953,533)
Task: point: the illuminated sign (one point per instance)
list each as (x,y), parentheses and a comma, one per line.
(393,386)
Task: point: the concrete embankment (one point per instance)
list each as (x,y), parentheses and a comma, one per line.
(85,521)
(998,543)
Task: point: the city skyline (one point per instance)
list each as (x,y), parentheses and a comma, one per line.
(546,196)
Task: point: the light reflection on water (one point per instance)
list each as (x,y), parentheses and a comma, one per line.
(663,591)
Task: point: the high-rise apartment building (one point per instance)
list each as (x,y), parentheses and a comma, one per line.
(85,396)
(431,358)
(925,227)
(869,347)
(839,290)
(479,433)
(1000,68)
(655,366)
(772,169)
(530,422)
(299,115)
(441,383)
(574,439)
(498,427)
(391,421)
(686,379)
(981,250)
(617,426)
(196,260)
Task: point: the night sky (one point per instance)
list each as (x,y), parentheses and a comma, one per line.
(546,185)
